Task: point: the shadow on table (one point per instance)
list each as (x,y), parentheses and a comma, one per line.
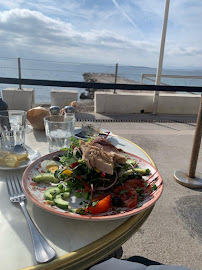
(75,232)
(114,141)
(9,210)
(40,135)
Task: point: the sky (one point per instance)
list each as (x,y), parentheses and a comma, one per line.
(127,32)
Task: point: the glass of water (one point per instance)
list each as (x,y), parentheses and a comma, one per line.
(59,130)
(12,129)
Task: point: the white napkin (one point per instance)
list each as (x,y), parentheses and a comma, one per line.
(116,264)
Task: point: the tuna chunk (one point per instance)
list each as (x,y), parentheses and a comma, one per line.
(101,155)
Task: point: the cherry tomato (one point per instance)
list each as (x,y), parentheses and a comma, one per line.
(102,206)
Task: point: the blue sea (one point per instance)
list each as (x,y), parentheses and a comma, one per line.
(67,71)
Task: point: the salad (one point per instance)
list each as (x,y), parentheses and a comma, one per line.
(103,177)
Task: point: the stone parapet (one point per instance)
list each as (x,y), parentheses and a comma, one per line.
(63,97)
(143,103)
(19,99)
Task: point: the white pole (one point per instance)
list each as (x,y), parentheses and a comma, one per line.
(160,64)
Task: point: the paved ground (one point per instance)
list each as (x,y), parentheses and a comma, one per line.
(173,232)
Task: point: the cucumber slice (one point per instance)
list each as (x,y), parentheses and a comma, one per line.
(65,195)
(142,171)
(45,177)
(60,202)
(130,161)
(50,193)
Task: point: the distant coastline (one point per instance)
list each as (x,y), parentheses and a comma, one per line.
(103,78)
(108,78)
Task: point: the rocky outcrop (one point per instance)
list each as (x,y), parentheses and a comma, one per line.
(102,78)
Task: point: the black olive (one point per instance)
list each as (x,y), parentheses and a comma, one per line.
(56,158)
(116,201)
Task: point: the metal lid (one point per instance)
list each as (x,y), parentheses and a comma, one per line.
(55,110)
(69,109)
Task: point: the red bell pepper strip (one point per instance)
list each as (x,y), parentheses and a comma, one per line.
(86,186)
(73,165)
(79,177)
(103,174)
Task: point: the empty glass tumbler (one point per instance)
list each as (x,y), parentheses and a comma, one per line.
(12,129)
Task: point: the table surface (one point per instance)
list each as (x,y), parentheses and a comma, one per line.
(78,244)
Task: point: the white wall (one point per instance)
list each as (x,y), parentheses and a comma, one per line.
(134,103)
(19,99)
(179,104)
(63,97)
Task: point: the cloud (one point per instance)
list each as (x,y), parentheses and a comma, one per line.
(117,5)
(35,31)
(103,33)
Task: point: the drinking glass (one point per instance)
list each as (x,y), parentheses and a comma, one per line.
(12,129)
(59,130)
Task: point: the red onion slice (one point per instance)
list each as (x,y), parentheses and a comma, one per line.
(105,188)
(91,186)
(76,149)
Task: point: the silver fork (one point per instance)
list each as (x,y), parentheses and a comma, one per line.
(43,252)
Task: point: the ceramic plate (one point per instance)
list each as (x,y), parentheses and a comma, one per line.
(35,191)
(32,155)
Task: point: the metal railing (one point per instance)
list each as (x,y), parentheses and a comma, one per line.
(18,68)
(96,85)
(149,76)
(76,84)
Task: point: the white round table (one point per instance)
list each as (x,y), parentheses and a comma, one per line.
(78,244)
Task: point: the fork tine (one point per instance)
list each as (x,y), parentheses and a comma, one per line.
(14,185)
(20,187)
(8,188)
(12,190)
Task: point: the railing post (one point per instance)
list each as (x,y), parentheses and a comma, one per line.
(19,72)
(116,72)
(142,76)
